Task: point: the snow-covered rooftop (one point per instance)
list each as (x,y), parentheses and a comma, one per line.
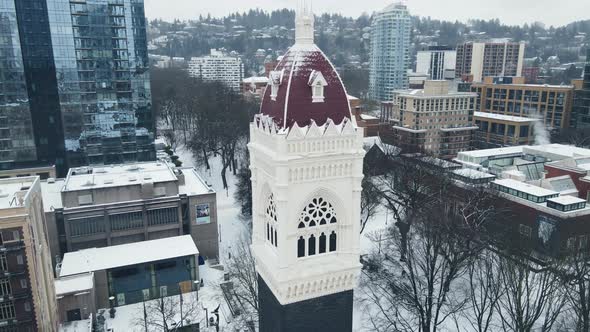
(193,183)
(97,259)
(502,117)
(255,79)
(491,152)
(51,191)
(557,150)
(566,200)
(473,174)
(13,190)
(74,284)
(525,187)
(84,178)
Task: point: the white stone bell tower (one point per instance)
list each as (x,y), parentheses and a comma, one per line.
(306,187)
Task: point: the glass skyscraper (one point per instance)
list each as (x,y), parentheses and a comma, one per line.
(581,113)
(390,51)
(86,67)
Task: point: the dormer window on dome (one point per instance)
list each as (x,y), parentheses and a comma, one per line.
(274,80)
(317,82)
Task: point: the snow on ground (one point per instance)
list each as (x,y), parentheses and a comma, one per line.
(129,317)
(231,228)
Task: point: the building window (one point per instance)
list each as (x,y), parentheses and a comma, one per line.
(85,199)
(23,283)
(3,263)
(318,92)
(301,247)
(27,307)
(525,230)
(20,260)
(271,221)
(311,247)
(274,90)
(5,288)
(322,243)
(163,216)
(7,311)
(124,221)
(317,212)
(333,242)
(86,226)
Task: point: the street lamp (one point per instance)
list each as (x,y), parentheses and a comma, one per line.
(112,309)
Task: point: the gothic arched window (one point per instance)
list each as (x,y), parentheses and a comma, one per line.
(322,243)
(333,241)
(317,212)
(301,247)
(271,221)
(320,215)
(311,245)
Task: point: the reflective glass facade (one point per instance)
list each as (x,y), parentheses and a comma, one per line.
(17,142)
(390,52)
(581,118)
(81,84)
(100,53)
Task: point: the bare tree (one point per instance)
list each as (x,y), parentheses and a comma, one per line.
(419,289)
(241,267)
(484,292)
(575,276)
(532,296)
(370,201)
(168,313)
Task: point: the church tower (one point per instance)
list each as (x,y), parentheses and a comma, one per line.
(306,161)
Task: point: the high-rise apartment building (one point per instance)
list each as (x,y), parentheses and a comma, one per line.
(438,62)
(581,114)
(495,58)
(79,72)
(433,120)
(390,51)
(27,291)
(218,67)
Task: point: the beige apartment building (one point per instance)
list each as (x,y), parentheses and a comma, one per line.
(27,291)
(477,60)
(522,105)
(433,120)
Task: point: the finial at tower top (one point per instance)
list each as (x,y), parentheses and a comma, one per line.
(304,23)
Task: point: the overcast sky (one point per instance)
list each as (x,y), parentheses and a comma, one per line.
(550,12)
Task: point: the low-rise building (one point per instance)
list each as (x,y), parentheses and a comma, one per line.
(126,274)
(254,87)
(119,204)
(551,104)
(497,130)
(27,293)
(433,120)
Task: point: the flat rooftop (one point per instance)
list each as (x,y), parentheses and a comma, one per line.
(502,117)
(566,200)
(565,151)
(15,190)
(98,259)
(85,178)
(419,93)
(194,184)
(473,174)
(525,187)
(73,284)
(491,152)
(51,191)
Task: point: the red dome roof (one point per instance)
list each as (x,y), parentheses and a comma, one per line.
(293,101)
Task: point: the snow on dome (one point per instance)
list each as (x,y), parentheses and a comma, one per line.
(291,98)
